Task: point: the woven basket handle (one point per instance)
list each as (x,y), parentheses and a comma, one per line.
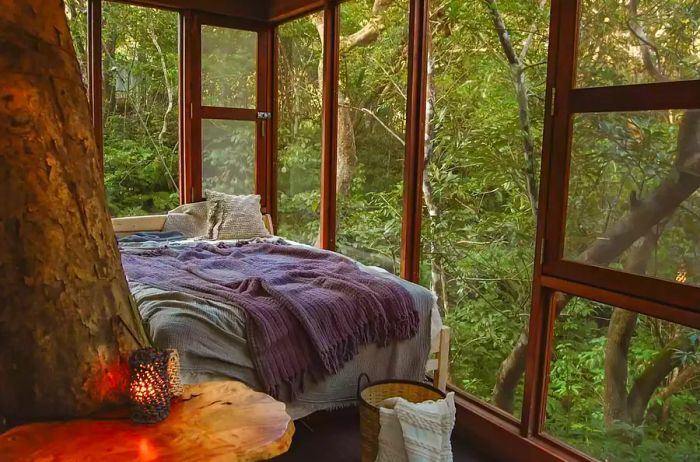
(359,383)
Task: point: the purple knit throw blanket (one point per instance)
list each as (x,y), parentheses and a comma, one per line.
(308,310)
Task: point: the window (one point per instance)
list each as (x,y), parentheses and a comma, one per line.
(618,160)
(229,67)
(299,130)
(140,106)
(480,186)
(228,156)
(371,125)
(227,108)
(644,42)
(618,278)
(623,386)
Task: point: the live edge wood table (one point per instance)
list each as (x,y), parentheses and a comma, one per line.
(216,421)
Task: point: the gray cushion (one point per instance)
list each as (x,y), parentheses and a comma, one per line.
(235,217)
(189,219)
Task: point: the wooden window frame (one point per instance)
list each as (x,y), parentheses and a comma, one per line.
(649,296)
(198,111)
(191,111)
(329,122)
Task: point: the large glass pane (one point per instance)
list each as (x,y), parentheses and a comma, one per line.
(228,156)
(76,13)
(371,125)
(624,387)
(482,162)
(140,78)
(638,41)
(299,135)
(229,61)
(635,175)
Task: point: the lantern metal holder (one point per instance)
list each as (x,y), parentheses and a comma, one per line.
(149,388)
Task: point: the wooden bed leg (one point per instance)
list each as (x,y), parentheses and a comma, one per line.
(440,374)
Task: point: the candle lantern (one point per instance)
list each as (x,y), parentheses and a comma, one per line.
(174,373)
(149,388)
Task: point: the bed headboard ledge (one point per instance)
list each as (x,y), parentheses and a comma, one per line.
(130,225)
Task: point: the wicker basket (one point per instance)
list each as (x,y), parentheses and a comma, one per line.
(371,394)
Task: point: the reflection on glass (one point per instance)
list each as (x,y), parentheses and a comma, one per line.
(623,386)
(638,41)
(623,167)
(140,65)
(228,156)
(299,135)
(371,126)
(229,60)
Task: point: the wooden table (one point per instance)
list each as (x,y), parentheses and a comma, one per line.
(216,421)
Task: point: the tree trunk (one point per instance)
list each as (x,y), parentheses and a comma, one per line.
(66,321)
(620,332)
(347,149)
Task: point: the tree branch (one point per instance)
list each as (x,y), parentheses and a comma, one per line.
(531,36)
(369,33)
(168,86)
(652,67)
(380,121)
(654,374)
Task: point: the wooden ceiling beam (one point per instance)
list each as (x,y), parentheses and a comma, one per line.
(244,9)
(280,11)
(285,10)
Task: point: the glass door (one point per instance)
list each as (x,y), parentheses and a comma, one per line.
(230,108)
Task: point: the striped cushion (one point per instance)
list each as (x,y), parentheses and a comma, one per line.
(235,217)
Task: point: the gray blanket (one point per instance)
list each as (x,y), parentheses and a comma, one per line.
(309,310)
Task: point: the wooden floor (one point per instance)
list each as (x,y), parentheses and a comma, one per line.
(335,436)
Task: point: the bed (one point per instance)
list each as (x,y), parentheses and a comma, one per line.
(210,335)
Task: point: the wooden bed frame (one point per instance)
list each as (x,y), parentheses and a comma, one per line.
(439,357)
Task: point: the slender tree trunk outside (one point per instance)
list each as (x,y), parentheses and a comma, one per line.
(66,322)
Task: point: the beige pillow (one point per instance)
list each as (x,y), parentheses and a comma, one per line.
(189,219)
(235,217)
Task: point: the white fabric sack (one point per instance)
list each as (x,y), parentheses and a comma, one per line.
(411,432)
(391,446)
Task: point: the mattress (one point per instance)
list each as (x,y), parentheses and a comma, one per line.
(210,338)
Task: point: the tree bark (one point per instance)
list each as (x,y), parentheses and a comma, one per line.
(620,332)
(347,149)
(66,322)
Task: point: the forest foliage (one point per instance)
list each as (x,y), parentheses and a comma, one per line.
(621,386)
